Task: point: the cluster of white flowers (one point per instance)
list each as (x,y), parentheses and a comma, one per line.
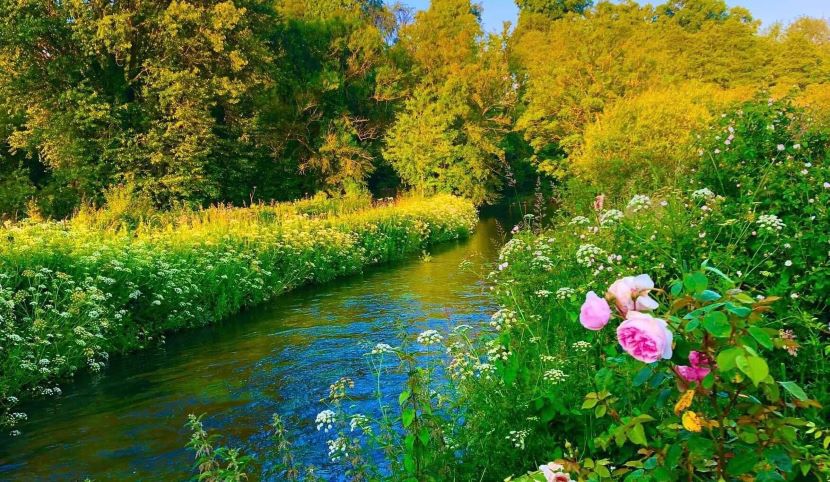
(325,420)
(429,337)
(381,348)
(503,319)
(580,221)
(337,448)
(703,194)
(517,438)
(497,352)
(770,223)
(587,254)
(542,293)
(360,422)
(609,217)
(511,247)
(555,376)
(581,346)
(564,293)
(639,202)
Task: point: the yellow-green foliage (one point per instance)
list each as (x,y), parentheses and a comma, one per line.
(646,141)
(71,292)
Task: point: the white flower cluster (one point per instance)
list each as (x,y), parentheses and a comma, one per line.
(703,194)
(511,247)
(381,348)
(497,352)
(581,346)
(542,293)
(360,422)
(337,448)
(639,202)
(770,223)
(580,221)
(555,376)
(587,254)
(429,337)
(517,438)
(565,293)
(608,218)
(503,319)
(325,420)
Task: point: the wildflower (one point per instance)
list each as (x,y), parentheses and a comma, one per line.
(644,337)
(542,293)
(790,343)
(781,147)
(610,217)
(587,254)
(631,293)
(517,438)
(579,221)
(788,263)
(826,185)
(639,202)
(770,223)
(702,194)
(599,202)
(381,348)
(554,376)
(595,312)
(325,420)
(337,448)
(564,293)
(429,337)
(503,319)
(581,346)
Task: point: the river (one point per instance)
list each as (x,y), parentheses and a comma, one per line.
(128,422)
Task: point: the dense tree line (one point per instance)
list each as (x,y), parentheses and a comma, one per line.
(206,101)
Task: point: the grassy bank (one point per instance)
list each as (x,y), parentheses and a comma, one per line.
(73,292)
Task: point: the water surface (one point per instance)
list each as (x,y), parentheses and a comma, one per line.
(127,423)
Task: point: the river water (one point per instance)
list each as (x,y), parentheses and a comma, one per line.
(128,422)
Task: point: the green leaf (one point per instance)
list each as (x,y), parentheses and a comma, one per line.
(423,436)
(742,463)
(794,390)
(726,359)
(408,416)
(404,396)
(717,324)
(741,311)
(695,282)
(761,337)
(637,434)
(708,295)
(754,367)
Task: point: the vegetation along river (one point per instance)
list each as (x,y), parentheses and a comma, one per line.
(128,422)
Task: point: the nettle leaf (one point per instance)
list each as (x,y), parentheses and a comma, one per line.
(761,336)
(754,367)
(794,390)
(717,324)
(408,416)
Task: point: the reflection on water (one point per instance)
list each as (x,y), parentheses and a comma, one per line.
(128,422)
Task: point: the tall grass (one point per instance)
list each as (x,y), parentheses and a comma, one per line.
(72,292)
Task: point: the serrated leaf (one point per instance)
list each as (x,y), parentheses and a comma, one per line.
(794,390)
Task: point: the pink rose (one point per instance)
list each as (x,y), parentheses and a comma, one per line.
(554,472)
(631,293)
(599,202)
(595,312)
(700,367)
(645,337)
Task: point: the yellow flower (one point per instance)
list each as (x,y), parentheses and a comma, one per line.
(692,422)
(684,402)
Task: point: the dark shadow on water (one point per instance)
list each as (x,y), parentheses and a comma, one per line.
(127,423)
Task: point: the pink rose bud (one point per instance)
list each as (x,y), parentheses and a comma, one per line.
(699,369)
(645,337)
(631,293)
(595,312)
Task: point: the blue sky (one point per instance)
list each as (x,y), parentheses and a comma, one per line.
(769,11)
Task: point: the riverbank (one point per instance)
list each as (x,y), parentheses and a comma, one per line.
(71,293)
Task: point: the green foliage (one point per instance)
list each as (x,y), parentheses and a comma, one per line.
(73,292)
